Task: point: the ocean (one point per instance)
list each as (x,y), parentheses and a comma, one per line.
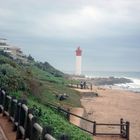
(134,76)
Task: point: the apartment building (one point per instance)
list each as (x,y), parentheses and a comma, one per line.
(14,52)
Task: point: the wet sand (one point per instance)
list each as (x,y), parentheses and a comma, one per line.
(110,106)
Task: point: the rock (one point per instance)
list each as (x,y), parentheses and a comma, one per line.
(62,97)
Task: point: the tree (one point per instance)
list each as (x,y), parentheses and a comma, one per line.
(30,58)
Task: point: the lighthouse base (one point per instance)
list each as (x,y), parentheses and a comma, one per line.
(78,65)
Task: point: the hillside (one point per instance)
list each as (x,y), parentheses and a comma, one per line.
(40,83)
(37,78)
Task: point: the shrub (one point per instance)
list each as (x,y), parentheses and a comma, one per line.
(10,78)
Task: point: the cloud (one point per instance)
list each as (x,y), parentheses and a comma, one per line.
(62,19)
(94,24)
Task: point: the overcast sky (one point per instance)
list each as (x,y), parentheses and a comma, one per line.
(108,31)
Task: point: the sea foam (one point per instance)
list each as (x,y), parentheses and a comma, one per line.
(134,86)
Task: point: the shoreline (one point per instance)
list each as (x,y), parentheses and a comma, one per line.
(111,105)
(128,84)
(115,87)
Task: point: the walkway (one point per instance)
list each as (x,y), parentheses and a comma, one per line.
(6,132)
(2,135)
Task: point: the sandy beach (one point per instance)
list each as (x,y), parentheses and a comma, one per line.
(110,106)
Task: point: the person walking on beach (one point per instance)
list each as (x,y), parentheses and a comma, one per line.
(81,84)
(84,84)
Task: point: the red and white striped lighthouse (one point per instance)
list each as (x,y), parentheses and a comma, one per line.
(78,61)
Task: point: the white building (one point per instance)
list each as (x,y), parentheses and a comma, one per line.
(14,52)
(78,61)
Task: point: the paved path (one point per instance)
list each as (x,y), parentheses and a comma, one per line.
(6,129)
(2,135)
(79,112)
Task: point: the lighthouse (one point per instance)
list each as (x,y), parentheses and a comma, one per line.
(78,61)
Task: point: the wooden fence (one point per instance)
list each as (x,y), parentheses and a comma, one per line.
(87,86)
(123,126)
(27,127)
(24,123)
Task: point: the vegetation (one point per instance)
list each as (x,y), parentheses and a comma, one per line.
(40,83)
(47,67)
(57,123)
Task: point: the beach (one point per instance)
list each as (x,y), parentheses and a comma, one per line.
(110,106)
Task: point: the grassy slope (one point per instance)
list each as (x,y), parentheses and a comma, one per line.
(58,123)
(48,87)
(53,86)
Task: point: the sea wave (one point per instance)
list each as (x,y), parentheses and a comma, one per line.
(134,86)
(133,76)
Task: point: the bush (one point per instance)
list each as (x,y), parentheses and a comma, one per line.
(10,78)
(7,60)
(58,124)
